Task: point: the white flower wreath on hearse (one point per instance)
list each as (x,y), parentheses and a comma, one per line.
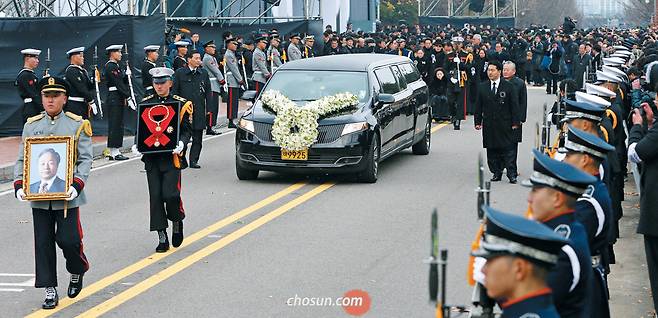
(304,118)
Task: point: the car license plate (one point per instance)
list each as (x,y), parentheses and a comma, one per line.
(301,155)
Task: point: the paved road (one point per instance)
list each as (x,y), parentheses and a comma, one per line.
(252,245)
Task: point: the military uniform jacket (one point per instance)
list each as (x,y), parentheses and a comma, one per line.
(27,82)
(64,124)
(536,305)
(80,84)
(274,56)
(233,72)
(594,211)
(571,278)
(147,79)
(118,90)
(648,152)
(261,73)
(497,113)
(308,52)
(179,62)
(293,52)
(164,160)
(214,73)
(194,85)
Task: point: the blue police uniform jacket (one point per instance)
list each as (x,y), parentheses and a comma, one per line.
(536,305)
(594,212)
(570,279)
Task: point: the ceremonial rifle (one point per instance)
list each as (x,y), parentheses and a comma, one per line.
(545,131)
(46,72)
(98,110)
(129,73)
(244,71)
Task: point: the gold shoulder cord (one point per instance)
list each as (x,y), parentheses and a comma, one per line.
(187,108)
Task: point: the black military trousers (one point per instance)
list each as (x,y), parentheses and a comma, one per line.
(164,196)
(78,108)
(500,159)
(458,104)
(195,150)
(599,305)
(51,227)
(651,250)
(232,103)
(212,110)
(115,111)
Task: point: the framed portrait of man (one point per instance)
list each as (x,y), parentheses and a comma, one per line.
(48,167)
(158,126)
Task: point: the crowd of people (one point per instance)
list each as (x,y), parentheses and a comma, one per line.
(604,79)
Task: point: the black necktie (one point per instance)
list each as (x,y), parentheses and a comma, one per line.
(493,88)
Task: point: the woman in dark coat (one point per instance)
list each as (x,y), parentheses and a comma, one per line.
(553,73)
(438,95)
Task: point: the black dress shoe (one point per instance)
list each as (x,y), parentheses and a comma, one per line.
(231,124)
(163,242)
(177,234)
(496,178)
(211,132)
(52,299)
(195,165)
(75,285)
(456,125)
(512,180)
(118,157)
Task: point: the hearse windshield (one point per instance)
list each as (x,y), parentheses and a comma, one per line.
(313,85)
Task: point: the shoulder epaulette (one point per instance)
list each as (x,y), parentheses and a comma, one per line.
(73,116)
(147,97)
(611,114)
(87,127)
(176,97)
(605,133)
(35,118)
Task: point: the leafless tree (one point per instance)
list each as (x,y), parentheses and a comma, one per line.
(638,12)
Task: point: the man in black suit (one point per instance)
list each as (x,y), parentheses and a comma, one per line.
(497,114)
(50,183)
(509,73)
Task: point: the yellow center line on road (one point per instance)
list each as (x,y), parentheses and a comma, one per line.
(202,253)
(156,257)
(439,126)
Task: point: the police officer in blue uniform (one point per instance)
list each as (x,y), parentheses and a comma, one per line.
(556,186)
(519,253)
(593,209)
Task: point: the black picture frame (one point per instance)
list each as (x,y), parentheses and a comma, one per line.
(171,130)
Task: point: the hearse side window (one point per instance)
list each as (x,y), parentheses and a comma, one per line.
(400,77)
(387,81)
(410,73)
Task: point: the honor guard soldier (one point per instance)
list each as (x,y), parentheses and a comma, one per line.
(273,54)
(163,169)
(293,48)
(593,209)
(556,186)
(261,73)
(152,55)
(192,83)
(181,55)
(234,80)
(82,93)
(118,95)
(57,221)
(309,52)
(216,81)
(519,253)
(27,81)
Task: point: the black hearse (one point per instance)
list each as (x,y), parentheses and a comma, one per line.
(392,114)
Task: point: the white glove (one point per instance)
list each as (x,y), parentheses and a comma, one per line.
(456,59)
(453,80)
(632,155)
(131,104)
(73,193)
(134,150)
(179,149)
(20,195)
(92,104)
(478,264)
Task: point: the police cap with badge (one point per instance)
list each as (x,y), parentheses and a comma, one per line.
(578,141)
(583,110)
(513,235)
(53,85)
(558,175)
(158,124)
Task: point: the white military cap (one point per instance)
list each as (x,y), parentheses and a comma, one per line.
(161,74)
(75,51)
(181,43)
(115,47)
(598,90)
(621,56)
(604,76)
(457,39)
(310,37)
(151,48)
(592,99)
(619,73)
(32,52)
(613,61)
(620,48)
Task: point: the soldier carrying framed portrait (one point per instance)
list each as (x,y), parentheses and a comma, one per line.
(48,168)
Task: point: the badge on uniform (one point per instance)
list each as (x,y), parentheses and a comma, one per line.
(158,127)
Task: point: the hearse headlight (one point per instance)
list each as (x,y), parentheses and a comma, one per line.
(247,125)
(354,127)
